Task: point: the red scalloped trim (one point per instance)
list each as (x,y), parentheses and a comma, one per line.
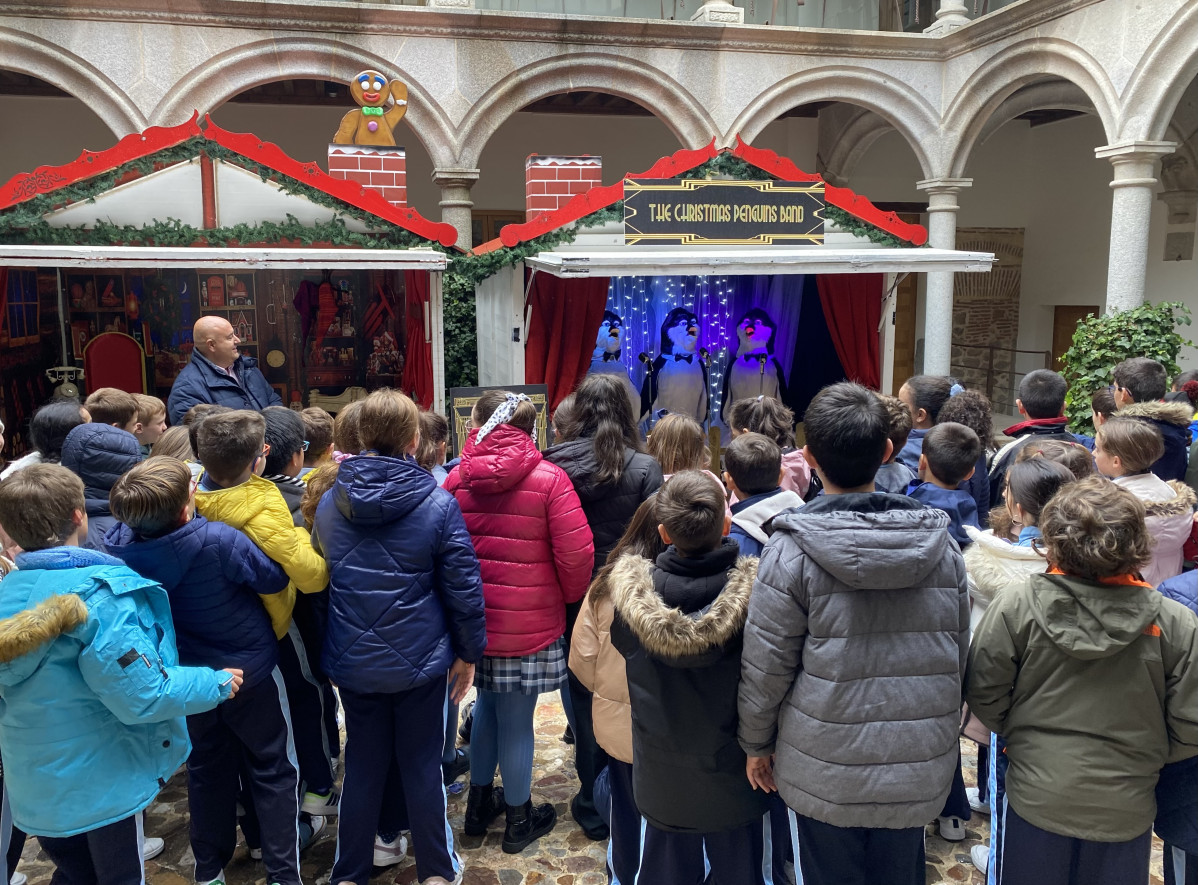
(273,157)
(44,179)
(842,197)
(582,205)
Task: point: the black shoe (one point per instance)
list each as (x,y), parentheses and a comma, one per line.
(467,724)
(483,806)
(526,824)
(568,735)
(588,819)
(455,769)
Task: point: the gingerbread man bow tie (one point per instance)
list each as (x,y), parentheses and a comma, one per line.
(372,112)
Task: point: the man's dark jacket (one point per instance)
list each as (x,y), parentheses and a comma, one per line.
(202,382)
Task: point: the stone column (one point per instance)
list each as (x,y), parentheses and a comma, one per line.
(455,202)
(951,15)
(1131,214)
(719,12)
(942,234)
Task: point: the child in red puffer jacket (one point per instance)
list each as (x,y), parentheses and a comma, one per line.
(536,554)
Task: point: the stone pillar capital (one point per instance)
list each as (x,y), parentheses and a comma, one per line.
(455,177)
(935,186)
(1135,161)
(719,12)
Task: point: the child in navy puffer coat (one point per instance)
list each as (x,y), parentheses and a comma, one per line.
(406,623)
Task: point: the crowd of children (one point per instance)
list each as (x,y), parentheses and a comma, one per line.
(767,672)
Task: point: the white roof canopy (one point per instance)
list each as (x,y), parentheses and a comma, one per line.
(212,257)
(636,261)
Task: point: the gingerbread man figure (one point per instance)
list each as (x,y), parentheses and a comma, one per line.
(372,123)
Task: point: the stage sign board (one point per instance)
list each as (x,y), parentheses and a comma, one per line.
(700,212)
(697,212)
(461,404)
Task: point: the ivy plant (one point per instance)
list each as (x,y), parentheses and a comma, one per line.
(1100,342)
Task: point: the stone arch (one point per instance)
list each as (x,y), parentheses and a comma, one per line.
(852,144)
(896,103)
(37,58)
(981,96)
(211,84)
(1158,82)
(1050,95)
(628,78)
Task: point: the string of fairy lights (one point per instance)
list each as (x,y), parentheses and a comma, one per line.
(644,302)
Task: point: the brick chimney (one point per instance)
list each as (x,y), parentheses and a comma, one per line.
(550,182)
(385,169)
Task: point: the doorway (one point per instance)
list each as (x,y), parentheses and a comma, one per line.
(1065,318)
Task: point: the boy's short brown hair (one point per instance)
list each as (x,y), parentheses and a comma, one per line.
(150,497)
(754,462)
(108,405)
(38,504)
(1136,443)
(691,506)
(345,428)
(229,443)
(195,416)
(388,423)
(149,408)
(899,414)
(318,430)
(1094,529)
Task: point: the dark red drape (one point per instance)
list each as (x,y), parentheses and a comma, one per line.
(417,378)
(561,334)
(852,306)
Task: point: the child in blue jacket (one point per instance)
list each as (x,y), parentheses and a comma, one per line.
(91,724)
(950,452)
(405,629)
(215,577)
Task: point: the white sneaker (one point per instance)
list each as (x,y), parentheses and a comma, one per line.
(980,855)
(321,805)
(388,854)
(18,879)
(952,829)
(151,848)
(975,801)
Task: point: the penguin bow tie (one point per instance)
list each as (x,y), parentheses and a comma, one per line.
(689,357)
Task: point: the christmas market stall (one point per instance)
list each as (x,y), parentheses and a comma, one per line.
(712,276)
(106,263)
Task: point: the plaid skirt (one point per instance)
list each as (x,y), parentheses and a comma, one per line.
(544,670)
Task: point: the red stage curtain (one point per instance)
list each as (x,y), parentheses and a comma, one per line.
(852,306)
(561,334)
(417,378)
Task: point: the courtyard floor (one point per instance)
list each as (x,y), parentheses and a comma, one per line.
(564,857)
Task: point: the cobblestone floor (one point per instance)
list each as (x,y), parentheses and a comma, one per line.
(564,857)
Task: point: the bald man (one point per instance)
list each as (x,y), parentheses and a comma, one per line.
(219,374)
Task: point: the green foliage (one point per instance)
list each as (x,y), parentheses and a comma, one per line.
(461,333)
(1101,342)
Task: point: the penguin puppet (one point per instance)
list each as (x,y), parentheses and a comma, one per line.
(677,380)
(753,371)
(605,359)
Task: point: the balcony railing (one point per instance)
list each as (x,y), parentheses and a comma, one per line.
(858,15)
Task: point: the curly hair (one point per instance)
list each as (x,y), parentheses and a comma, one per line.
(1094,529)
(971,408)
(766,415)
(899,414)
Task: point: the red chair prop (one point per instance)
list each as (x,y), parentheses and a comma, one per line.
(114,359)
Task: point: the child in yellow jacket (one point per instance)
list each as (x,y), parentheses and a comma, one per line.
(232,448)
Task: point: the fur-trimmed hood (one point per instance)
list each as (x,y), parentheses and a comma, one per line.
(668,632)
(1177,414)
(1183,503)
(31,629)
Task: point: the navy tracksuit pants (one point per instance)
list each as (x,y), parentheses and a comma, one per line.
(305,699)
(732,857)
(252,728)
(831,855)
(405,729)
(1180,868)
(1032,856)
(108,855)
